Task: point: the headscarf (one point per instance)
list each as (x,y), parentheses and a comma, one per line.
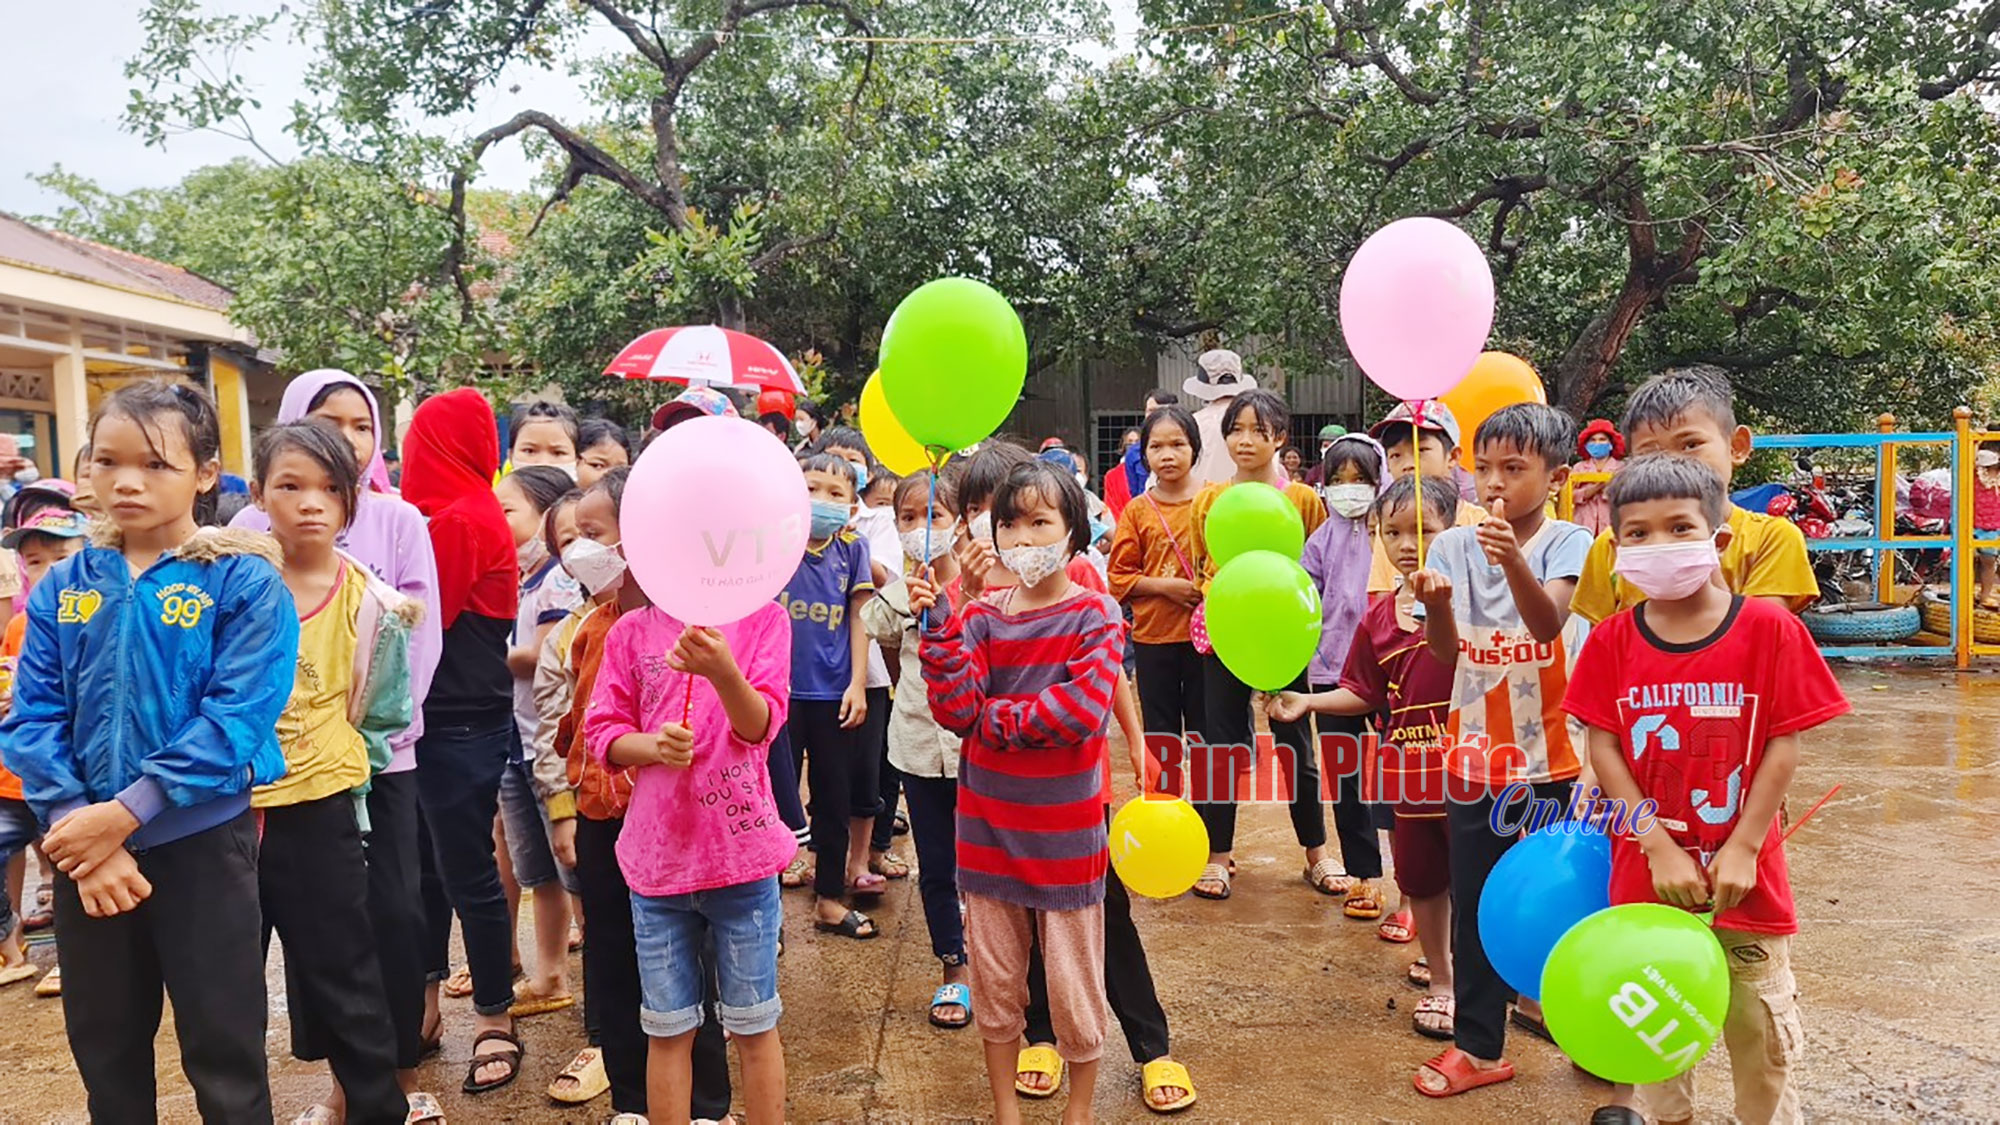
(449,457)
(298,400)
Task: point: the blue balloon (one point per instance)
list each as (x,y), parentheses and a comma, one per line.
(1545,884)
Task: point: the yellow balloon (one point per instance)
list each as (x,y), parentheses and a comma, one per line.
(1496,381)
(1158,845)
(887,440)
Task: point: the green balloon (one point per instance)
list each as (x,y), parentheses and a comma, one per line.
(953,359)
(1263,619)
(1636,993)
(1253,517)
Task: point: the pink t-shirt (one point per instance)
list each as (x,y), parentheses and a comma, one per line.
(713,824)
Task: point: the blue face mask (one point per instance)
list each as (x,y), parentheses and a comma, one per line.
(829,516)
(1600,448)
(860,479)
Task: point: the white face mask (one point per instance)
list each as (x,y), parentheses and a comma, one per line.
(981,528)
(1668,571)
(802,426)
(1351,501)
(1033,564)
(940,543)
(595,567)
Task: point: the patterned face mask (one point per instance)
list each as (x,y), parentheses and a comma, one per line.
(1033,564)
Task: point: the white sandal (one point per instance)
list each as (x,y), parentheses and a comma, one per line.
(424,1110)
(1213,873)
(1329,868)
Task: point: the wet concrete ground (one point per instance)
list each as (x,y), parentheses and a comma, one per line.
(1285,1011)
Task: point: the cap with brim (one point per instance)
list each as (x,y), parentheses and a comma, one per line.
(1437,417)
(1986,458)
(1329,432)
(1219,374)
(691,403)
(57,523)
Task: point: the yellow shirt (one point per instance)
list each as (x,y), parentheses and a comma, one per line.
(1312,512)
(324,754)
(1382,576)
(1766,558)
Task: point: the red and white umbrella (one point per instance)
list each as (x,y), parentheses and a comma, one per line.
(718,357)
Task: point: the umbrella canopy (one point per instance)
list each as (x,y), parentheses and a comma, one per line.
(719,357)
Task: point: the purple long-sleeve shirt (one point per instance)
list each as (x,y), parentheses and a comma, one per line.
(391,538)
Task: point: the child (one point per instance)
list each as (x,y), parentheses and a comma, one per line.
(159,881)
(545,433)
(875,523)
(1496,605)
(1152,570)
(388,536)
(1390,673)
(547,594)
(924,754)
(1028,679)
(451,452)
(85,500)
(1691,412)
(1431,447)
(1715,842)
(1599,449)
(1255,426)
(1338,556)
(703,843)
(351,693)
(601,446)
(829,701)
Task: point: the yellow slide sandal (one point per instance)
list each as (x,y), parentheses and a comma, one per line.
(1161,1074)
(1038,1060)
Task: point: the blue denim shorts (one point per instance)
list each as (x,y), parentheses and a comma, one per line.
(527,821)
(668,932)
(17,830)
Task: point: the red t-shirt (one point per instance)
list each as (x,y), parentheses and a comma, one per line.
(1410,690)
(1693,721)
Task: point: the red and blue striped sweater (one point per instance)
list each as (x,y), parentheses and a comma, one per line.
(1031,694)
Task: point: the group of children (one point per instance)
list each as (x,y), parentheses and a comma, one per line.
(394,710)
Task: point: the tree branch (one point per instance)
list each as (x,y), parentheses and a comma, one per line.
(787,248)
(1349,19)
(1973,69)
(1502,187)
(1147,322)
(647,45)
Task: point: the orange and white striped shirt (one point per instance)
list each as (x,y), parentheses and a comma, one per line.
(1507,721)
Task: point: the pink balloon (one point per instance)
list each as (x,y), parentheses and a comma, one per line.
(1416,305)
(714,519)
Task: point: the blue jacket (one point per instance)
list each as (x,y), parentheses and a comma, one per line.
(162,691)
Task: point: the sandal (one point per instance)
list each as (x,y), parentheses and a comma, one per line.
(1460,1076)
(900,826)
(1420,972)
(527,1002)
(797,873)
(1530,1024)
(15,974)
(849,926)
(1363,901)
(582,1080)
(1616,1115)
(459,984)
(575,937)
(510,1059)
(868,886)
(1399,928)
(44,914)
(424,1110)
(52,984)
(1041,1060)
(889,865)
(946,996)
(317,1115)
(1329,878)
(1164,1074)
(1214,875)
(1441,1012)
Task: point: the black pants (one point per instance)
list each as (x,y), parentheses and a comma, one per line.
(934,828)
(314,885)
(458,788)
(611,982)
(1171,699)
(1229,731)
(1128,982)
(1353,820)
(396,909)
(1481,996)
(841,769)
(784,769)
(200,937)
(888,779)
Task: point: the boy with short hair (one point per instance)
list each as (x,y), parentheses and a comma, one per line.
(1427,445)
(1695,700)
(1496,600)
(1690,412)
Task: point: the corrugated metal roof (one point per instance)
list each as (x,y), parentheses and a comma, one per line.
(27,245)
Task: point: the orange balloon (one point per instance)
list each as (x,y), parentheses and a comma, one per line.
(1497,380)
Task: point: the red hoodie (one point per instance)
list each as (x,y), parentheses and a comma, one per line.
(450,455)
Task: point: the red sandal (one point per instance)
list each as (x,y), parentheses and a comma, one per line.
(1455,1067)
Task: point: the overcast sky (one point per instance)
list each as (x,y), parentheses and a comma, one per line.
(66,68)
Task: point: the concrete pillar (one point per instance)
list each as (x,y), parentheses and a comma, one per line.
(70,389)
